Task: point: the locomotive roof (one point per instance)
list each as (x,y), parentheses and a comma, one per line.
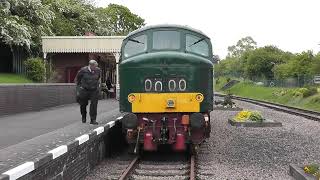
(166,26)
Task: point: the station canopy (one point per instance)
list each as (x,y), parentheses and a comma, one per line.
(81,44)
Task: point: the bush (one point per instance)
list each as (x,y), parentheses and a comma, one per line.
(305,92)
(35,69)
(316,99)
(256,116)
(310,91)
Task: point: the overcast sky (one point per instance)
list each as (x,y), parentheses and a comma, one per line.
(292,25)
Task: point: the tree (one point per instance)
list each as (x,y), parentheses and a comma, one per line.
(315,67)
(259,63)
(119,19)
(228,67)
(23,23)
(73,17)
(243,45)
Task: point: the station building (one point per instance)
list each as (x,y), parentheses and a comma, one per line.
(67,54)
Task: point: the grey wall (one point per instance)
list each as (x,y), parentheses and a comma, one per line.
(17,98)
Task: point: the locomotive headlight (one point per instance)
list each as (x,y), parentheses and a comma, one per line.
(131,98)
(199,97)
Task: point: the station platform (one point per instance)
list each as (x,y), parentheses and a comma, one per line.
(27,136)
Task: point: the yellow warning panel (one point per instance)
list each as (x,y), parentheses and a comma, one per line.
(165,102)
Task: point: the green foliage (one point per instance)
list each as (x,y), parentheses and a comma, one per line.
(311,169)
(243,45)
(284,96)
(298,65)
(310,91)
(24,22)
(119,20)
(256,116)
(35,69)
(228,67)
(73,17)
(260,62)
(305,92)
(267,63)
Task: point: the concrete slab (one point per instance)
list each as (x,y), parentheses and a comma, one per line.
(51,129)
(265,123)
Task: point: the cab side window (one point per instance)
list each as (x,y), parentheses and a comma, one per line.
(197,45)
(135,46)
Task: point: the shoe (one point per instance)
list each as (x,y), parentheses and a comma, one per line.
(94,122)
(84,119)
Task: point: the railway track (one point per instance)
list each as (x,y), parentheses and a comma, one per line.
(313,115)
(160,167)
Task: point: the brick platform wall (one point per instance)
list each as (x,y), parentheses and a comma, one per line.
(78,160)
(16,98)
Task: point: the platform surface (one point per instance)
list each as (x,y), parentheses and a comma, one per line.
(29,135)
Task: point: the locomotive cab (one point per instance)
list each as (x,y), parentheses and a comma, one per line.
(166,87)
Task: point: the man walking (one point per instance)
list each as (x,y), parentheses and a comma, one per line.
(88,80)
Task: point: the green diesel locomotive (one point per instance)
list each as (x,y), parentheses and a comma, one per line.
(166,87)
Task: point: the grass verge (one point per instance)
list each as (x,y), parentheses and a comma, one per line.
(13,78)
(285,96)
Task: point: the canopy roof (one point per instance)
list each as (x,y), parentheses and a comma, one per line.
(81,44)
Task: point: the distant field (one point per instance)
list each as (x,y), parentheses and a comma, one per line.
(284,96)
(13,78)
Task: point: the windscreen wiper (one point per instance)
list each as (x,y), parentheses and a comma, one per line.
(136,41)
(197,42)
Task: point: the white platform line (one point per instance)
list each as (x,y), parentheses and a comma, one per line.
(120,117)
(83,138)
(99,130)
(20,171)
(111,124)
(58,151)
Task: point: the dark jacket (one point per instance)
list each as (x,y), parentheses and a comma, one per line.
(88,80)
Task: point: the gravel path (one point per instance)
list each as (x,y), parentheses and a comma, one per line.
(258,153)
(238,153)
(111,168)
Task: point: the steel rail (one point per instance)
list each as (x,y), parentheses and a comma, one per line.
(192,168)
(129,169)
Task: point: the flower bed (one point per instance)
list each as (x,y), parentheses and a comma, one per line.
(312,169)
(307,172)
(248,118)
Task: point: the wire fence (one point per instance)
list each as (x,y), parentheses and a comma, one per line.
(290,82)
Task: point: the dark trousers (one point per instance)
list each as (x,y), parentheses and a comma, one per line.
(84,97)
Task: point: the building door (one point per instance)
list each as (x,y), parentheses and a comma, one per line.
(71,74)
